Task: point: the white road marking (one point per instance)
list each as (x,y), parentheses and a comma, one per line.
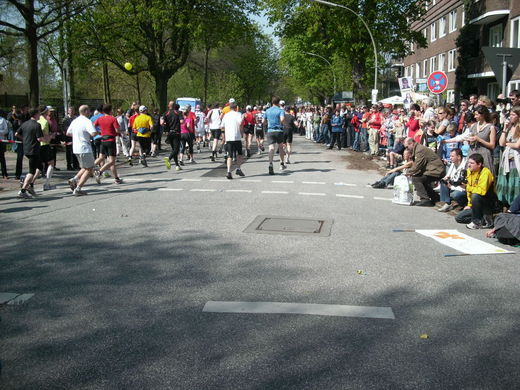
(345,184)
(6,297)
(20,299)
(299,308)
(170,189)
(283,181)
(311,193)
(203,190)
(275,192)
(350,196)
(238,191)
(218,179)
(251,180)
(313,182)
(191,179)
(378,198)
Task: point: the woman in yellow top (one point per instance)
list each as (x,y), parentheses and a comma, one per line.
(143,124)
(481,194)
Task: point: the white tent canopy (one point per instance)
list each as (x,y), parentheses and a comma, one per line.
(392,100)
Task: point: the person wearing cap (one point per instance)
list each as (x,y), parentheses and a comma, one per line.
(142,125)
(232,124)
(214,121)
(45,148)
(227,107)
(274,117)
(249,129)
(200,127)
(259,129)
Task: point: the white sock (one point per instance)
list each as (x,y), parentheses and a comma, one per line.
(50,170)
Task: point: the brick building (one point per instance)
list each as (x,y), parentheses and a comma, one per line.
(472,24)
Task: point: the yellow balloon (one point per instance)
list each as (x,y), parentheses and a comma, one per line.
(128,66)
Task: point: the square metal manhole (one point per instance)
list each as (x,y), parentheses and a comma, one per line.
(269,224)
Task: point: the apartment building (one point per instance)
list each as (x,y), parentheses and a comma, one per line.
(494,23)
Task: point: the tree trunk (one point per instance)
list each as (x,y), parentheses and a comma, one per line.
(161,90)
(138,87)
(106,84)
(206,65)
(32,61)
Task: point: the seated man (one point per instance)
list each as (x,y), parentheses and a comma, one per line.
(507,225)
(427,168)
(451,183)
(393,173)
(480,194)
(394,155)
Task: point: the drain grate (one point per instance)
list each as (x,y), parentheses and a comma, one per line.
(267,224)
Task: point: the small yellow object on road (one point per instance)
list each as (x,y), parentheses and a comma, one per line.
(424,336)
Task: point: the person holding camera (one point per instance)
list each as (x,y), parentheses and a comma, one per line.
(479,188)
(508,180)
(451,183)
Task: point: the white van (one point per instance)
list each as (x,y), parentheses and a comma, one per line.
(184,101)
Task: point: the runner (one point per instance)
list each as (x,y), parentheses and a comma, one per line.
(109,131)
(214,126)
(289,127)
(259,129)
(200,130)
(131,115)
(275,117)
(249,129)
(232,124)
(156,131)
(187,134)
(45,150)
(172,124)
(81,129)
(31,134)
(142,126)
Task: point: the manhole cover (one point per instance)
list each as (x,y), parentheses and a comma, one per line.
(266,224)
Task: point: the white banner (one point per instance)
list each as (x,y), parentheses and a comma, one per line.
(462,242)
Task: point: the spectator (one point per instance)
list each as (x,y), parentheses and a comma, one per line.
(393,173)
(445,149)
(426,169)
(429,112)
(429,137)
(514,96)
(480,194)
(451,183)
(445,116)
(337,129)
(395,154)
(4,129)
(508,180)
(473,102)
(413,124)
(374,124)
(507,225)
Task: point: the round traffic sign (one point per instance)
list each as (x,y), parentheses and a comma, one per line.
(437,82)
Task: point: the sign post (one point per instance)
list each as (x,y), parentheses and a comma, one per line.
(503,61)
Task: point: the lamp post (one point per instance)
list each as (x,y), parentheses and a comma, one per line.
(331,68)
(374,91)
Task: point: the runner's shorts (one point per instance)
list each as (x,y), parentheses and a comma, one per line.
(249,129)
(275,137)
(260,133)
(216,133)
(46,154)
(34,163)
(146,144)
(86,160)
(234,148)
(288,137)
(108,148)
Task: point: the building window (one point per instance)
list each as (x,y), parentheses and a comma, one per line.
(492,90)
(433,32)
(442,26)
(515,32)
(425,68)
(463,17)
(450,98)
(417,70)
(433,64)
(495,36)
(451,60)
(425,33)
(452,19)
(513,85)
(442,60)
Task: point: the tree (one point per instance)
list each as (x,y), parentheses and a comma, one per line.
(37,20)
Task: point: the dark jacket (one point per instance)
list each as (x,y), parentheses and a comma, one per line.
(426,162)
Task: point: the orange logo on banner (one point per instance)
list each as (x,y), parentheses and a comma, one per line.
(448,235)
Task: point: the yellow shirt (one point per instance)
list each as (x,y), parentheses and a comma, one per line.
(45,129)
(479,183)
(226,109)
(143,121)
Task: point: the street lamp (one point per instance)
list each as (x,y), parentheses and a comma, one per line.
(374,91)
(331,68)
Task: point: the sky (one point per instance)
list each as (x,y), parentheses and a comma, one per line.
(267,28)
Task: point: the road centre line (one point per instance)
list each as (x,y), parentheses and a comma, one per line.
(311,193)
(218,179)
(275,192)
(350,196)
(283,181)
(299,308)
(248,191)
(191,179)
(170,189)
(251,180)
(378,198)
(203,190)
(345,184)
(313,182)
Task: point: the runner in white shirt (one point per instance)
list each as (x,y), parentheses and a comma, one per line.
(234,131)
(81,129)
(215,128)
(200,130)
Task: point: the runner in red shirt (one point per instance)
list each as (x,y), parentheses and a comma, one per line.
(109,129)
(248,122)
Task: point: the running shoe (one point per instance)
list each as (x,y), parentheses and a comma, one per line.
(118,180)
(106,174)
(48,187)
(262,148)
(143,162)
(248,153)
(24,195)
(229,176)
(72,184)
(167,163)
(212,158)
(97,176)
(220,151)
(78,192)
(271,170)
(31,191)
(130,161)
(181,163)
(288,161)
(282,166)
(239,172)
(178,168)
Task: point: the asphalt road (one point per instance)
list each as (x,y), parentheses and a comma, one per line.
(121,277)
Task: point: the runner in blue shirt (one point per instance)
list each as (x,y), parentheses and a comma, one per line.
(274,117)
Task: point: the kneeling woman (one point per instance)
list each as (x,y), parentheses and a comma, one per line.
(480,191)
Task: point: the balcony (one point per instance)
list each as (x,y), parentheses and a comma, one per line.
(487,12)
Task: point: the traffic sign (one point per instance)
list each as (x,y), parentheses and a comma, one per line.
(437,82)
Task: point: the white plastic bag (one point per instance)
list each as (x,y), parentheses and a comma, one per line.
(403,190)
